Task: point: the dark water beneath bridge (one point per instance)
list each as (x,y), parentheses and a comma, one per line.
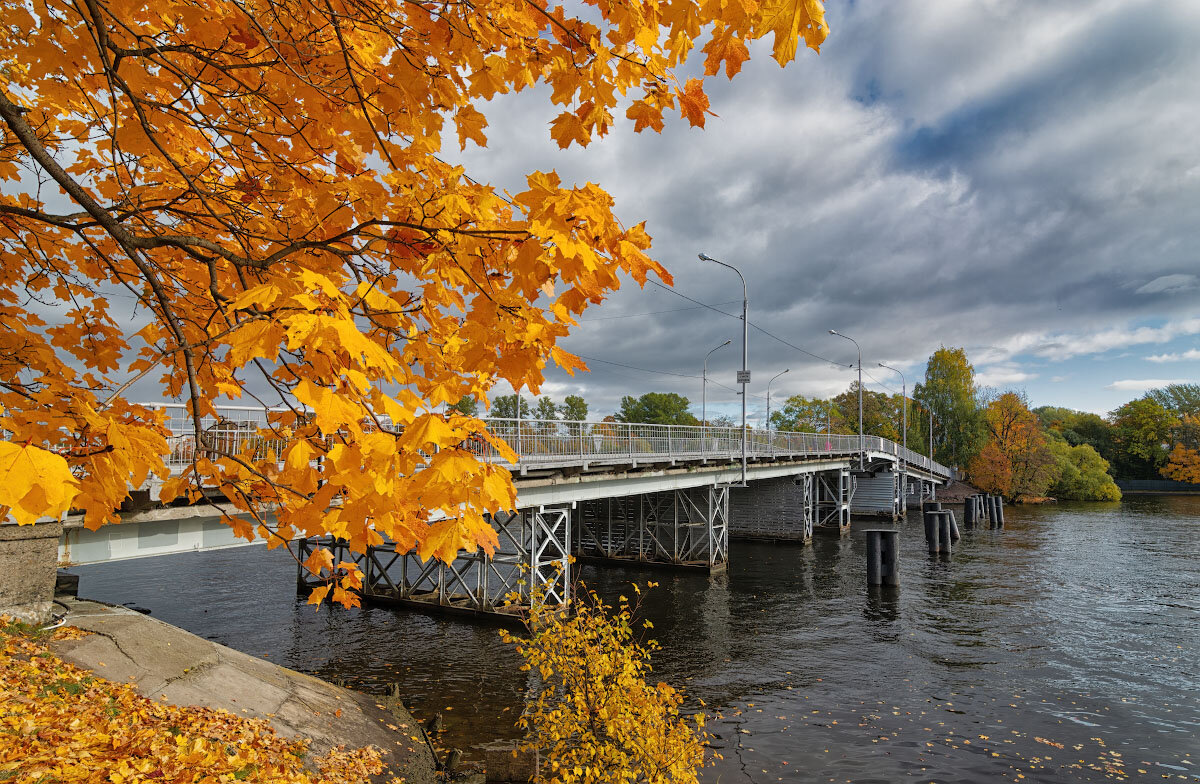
(1064,648)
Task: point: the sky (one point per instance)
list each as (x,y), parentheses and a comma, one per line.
(1018,179)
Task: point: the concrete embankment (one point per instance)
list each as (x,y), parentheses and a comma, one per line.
(169,664)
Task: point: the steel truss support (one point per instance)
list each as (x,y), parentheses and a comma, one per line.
(835,490)
(679,527)
(533,553)
(807,484)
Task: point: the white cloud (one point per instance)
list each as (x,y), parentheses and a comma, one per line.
(1002,375)
(1058,379)
(1145,384)
(1191,355)
(1169,284)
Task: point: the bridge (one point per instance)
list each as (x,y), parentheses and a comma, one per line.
(667,495)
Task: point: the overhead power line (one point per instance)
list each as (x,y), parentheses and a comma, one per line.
(768,333)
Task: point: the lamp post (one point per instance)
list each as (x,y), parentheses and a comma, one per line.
(704,385)
(777,375)
(744,374)
(860,418)
(904,432)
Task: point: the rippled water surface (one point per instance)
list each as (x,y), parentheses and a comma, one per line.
(1064,648)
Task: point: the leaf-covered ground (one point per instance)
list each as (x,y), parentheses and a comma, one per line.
(60,723)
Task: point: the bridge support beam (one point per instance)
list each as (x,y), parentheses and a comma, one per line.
(533,553)
(678,527)
(835,491)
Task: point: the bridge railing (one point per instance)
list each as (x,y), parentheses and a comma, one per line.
(543,443)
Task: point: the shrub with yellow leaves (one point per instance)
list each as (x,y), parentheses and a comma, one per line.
(593,715)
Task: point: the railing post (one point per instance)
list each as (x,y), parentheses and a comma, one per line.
(670,445)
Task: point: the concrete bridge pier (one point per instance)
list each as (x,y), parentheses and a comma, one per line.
(684,527)
(533,553)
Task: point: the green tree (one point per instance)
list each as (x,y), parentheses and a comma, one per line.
(881,414)
(505,407)
(1077,427)
(1143,431)
(1179,399)
(545,410)
(466,405)
(658,408)
(805,415)
(949,391)
(1083,474)
(574,408)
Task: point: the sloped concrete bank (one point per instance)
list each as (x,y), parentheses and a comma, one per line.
(169,664)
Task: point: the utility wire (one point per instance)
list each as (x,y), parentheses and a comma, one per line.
(648,313)
(751,323)
(664,373)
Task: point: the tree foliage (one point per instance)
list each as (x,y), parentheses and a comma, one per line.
(546,409)
(1180,399)
(656,408)
(1142,435)
(505,407)
(1082,474)
(1016,461)
(801,414)
(949,391)
(574,408)
(593,713)
(264,181)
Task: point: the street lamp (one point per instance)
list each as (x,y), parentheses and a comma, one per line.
(904,429)
(777,375)
(704,385)
(860,421)
(743,376)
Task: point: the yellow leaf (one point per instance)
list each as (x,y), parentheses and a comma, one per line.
(34,483)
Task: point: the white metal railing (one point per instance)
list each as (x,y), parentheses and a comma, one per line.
(550,443)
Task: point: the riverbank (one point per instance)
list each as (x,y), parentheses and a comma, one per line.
(165,663)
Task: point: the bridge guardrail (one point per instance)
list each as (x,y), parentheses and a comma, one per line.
(546,443)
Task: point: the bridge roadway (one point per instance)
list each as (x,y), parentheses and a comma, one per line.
(633,492)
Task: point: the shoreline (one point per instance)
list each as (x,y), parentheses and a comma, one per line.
(166,663)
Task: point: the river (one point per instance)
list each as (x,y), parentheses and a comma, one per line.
(1063,648)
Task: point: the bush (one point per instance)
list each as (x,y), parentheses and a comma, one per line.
(592,715)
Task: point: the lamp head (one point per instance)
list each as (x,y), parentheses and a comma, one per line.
(705,257)
(726,343)
(833,332)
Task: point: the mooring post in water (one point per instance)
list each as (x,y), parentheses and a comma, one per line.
(944,520)
(931,529)
(968,512)
(1000,510)
(883,556)
(980,508)
(994,511)
(954,534)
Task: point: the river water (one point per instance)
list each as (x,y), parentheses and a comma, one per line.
(1063,648)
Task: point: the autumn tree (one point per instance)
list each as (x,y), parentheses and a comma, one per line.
(1183,463)
(881,413)
(267,183)
(949,390)
(1180,399)
(1016,460)
(467,406)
